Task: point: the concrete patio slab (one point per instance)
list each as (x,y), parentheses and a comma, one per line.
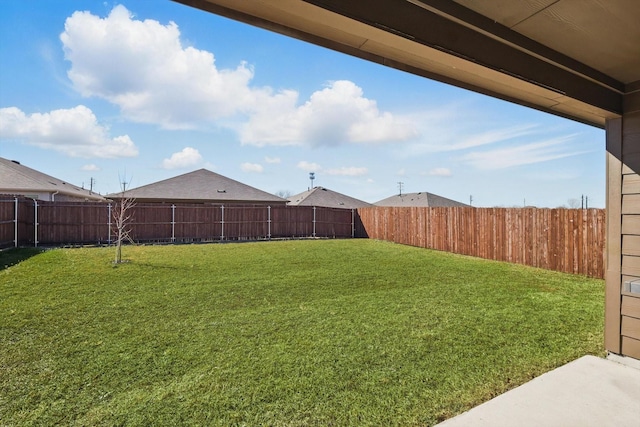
(587,392)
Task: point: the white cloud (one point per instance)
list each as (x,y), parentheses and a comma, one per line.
(74,132)
(401,172)
(90,168)
(489,137)
(335,115)
(251,167)
(142,67)
(308,166)
(535,152)
(348,171)
(458,129)
(440,172)
(182,159)
(272,160)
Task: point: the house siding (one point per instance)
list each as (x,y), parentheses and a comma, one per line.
(622,327)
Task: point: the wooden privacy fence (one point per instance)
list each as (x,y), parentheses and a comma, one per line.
(566,240)
(26,222)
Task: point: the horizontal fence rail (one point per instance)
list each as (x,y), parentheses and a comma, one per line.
(26,222)
(566,240)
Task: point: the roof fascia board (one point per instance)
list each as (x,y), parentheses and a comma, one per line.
(597,120)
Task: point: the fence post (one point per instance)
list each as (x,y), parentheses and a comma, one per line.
(269,222)
(353,223)
(173,223)
(222,223)
(35,222)
(314,222)
(15,225)
(109,225)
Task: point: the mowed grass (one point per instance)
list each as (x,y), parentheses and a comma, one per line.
(293,333)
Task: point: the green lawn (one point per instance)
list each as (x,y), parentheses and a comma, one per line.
(293,333)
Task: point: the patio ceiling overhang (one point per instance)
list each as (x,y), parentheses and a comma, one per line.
(572,58)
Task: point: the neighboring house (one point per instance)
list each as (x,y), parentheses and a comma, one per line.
(21,181)
(201,186)
(422,199)
(319,196)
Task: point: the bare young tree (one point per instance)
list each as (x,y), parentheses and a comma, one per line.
(121,220)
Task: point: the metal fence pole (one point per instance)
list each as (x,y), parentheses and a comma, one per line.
(173,223)
(269,222)
(35,223)
(314,222)
(222,223)
(353,223)
(109,225)
(15,225)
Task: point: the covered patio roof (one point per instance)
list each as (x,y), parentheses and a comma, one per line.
(572,58)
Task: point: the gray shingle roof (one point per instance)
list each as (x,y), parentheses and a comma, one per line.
(319,196)
(17,179)
(200,186)
(419,199)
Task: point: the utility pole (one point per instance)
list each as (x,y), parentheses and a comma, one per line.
(400,184)
(124,182)
(582,202)
(91,182)
(470,200)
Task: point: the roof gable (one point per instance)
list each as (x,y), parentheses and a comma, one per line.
(16,178)
(200,185)
(419,199)
(319,196)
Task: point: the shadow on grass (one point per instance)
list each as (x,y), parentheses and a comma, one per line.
(11,257)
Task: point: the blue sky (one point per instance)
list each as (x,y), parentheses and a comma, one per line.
(150,90)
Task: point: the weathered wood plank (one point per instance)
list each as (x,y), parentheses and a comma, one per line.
(631,224)
(631,265)
(631,184)
(631,306)
(631,204)
(631,347)
(631,245)
(631,327)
